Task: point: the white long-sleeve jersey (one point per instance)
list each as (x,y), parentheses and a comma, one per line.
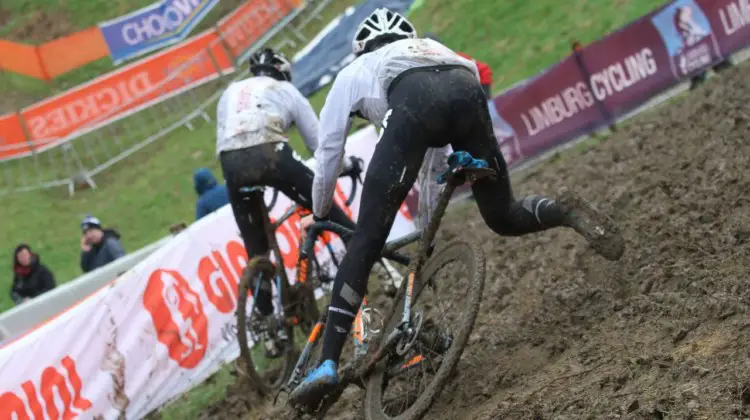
(261,110)
(362,87)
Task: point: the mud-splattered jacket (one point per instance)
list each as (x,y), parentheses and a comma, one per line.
(260,110)
(360,88)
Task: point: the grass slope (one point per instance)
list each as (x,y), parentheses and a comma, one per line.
(153,189)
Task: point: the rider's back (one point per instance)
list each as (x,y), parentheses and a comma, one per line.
(255,111)
(387,62)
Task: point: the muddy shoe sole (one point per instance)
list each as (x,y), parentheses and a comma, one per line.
(311,399)
(600,231)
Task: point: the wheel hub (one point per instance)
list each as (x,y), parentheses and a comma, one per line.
(406,342)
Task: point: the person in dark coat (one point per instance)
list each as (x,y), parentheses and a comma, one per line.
(30,277)
(211,195)
(99,246)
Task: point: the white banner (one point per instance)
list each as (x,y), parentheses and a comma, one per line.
(160,329)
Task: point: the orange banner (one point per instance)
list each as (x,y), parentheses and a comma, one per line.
(125,90)
(73,51)
(47,61)
(22,59)
(243,27)
(12,138)
(129,89)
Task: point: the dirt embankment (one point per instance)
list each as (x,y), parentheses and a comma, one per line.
(662,333)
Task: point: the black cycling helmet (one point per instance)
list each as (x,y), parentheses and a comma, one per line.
(431,35)
(268,62)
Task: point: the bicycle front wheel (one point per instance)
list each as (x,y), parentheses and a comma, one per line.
(445,303)
(264,373)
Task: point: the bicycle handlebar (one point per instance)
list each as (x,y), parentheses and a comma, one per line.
(354,172)
(316,229)
(390,251)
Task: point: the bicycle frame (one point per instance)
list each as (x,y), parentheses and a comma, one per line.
(355,369)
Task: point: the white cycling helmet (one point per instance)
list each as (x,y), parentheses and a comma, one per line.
(381,22)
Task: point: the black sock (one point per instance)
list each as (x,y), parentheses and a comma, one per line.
(338,324)
(335,335)
(545,210)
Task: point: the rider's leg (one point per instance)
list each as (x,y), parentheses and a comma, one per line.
(473,133)
(390,175)
(247,210)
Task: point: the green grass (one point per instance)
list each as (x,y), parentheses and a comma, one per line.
(153,189)
(213,390)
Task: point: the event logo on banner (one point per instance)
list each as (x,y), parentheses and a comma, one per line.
(688,37)
(178,316)
(153,27)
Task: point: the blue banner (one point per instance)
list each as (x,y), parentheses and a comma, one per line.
(317,64)
(153,27)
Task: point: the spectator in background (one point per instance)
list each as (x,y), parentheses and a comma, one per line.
(30,277)
(211,195)
(485,72)
(99,246)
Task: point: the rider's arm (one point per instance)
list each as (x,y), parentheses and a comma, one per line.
(351,85)
(222,111)
(305,118)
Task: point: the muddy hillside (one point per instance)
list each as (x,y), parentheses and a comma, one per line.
(662,333)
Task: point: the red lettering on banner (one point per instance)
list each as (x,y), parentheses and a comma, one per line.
(55,387)
(51,380)
(237,255)
(11,405)
(220,285)
(36,407)
(178,317)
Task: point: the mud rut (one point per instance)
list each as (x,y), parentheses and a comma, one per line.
(662,333)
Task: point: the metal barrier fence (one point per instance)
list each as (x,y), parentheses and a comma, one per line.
(178,101)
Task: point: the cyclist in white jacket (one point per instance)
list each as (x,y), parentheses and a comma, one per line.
(426,97)
(253,117)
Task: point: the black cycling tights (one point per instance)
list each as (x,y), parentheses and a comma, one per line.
(429,107)
(273,165)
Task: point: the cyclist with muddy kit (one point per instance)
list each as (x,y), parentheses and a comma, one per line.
(426,98)
(253,117)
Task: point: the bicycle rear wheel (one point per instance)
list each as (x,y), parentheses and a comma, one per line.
(266,375)
(440,340)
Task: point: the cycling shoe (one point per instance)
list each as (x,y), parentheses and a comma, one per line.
(598,229)
(319,383)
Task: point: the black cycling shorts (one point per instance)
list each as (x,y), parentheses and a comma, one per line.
(273,165)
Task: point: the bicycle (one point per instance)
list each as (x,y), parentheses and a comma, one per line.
(376,367)
(295,305)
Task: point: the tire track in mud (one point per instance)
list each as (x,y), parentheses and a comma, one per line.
(664,332)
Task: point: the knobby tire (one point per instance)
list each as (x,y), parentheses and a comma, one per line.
(254,266)
(473,257)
